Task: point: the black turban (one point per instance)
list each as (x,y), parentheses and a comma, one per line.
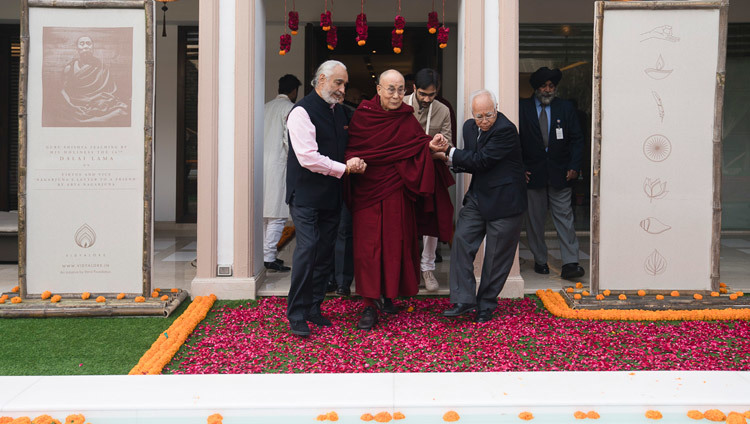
(544,74)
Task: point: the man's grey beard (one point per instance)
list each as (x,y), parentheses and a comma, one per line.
(328,97)
(545,99)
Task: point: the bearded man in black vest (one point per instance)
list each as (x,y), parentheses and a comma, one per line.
(317,141)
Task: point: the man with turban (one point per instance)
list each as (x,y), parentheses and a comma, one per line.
(385,134)
(552,144)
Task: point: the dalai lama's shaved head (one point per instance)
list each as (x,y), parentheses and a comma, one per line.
(391,88)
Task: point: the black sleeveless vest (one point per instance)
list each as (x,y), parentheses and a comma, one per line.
(311,189)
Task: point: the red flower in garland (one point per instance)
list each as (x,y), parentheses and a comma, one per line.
(443,37)
(285,44)
(325,20)
(399,23)
(397,41)
(332,38)
(432,22)
(294,21)
(361,29)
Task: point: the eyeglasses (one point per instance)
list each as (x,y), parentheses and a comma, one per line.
(487,116)
(393,90)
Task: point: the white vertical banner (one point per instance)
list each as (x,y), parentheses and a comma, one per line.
(225,186)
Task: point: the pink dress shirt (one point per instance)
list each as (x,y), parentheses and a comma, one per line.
(302,137)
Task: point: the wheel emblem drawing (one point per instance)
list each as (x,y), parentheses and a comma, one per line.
(657,148)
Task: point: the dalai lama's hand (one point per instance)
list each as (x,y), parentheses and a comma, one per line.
(439,143)
(355,166)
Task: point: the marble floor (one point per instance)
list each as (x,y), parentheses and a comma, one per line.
(175,249)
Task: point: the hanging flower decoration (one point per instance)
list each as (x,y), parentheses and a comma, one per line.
(399,23)
(285,44)
(443,37)
(332,38)
(432,22)
(325,19)
(397,41)
(293,21)
(362,26)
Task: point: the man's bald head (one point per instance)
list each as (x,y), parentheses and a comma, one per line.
(391,87)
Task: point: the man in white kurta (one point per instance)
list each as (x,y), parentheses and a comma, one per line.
(275,152)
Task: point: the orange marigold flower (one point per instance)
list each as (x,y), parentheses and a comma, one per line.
(747,414)
(101,299)
(653,415)
(410,309)
(607,292)
(333,416)
(45,419)
(675,293)
(579,285)
(526,416)
(154,293)
(215,419)
(599,297)
(85,295)
(695,414)
(4,297)
(697,296)
(736,418)
(622,297)
(383,417)
(714,415)
(714,294)
(366,417)
(733,296)
(5,420)
(577,296)
(21,420)
(157,289)
(722,285)
(579,415)
(121,296)
(140,299)
(593,415)
(585,293)
(1,302)
(75,419)
(659,297)
(56,298)
(569,290)
(46,295)
(739,293)
(175,290)
(165,297)
(15,289)
(398,416)
(723,290)
(16,300)
(641,292)
(451,416)
(321,417)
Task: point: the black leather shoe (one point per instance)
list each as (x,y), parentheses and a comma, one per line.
(279,261)
(368,319)
(319,320)
(343,291)
(299,328)
(484,315)
(541,269)
(273,266)
(572,270)
(459,309)
(330,286)
(387,306)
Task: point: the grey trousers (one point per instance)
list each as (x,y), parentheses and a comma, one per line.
(500,250)
(558,201)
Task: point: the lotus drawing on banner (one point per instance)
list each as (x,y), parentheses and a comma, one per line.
(87,77)
(85,236)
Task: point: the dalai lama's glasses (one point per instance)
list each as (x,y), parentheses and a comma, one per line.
(488,116)
(393,90)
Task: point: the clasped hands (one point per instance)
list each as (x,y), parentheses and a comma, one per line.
(439,146)
(355,166)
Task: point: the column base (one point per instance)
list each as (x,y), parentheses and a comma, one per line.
(513,289)
(227,288)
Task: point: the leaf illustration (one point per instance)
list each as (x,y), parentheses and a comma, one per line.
(655,263)
(655,189)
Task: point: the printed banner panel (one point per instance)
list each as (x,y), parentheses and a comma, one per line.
(657,121)
(85,150)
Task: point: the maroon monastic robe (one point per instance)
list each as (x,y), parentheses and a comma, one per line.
(383,199)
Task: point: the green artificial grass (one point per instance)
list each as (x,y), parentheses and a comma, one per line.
(78,346)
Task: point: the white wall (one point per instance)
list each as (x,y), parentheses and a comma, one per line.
(165,125)
(291,63)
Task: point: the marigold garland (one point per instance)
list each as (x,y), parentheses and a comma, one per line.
(169,342)
(593,415)
(101,299)
(579,415)
(215,419)
(285,44)
(175,290)
(121,296)
(398,416)
(695,414)
(397,41)
(383,417)
(526,416)
(56,298)
(332,39)
(451,416)
(399,22)
(325,20)
(45,419)
(294,22)
(736,418)
(555,303)
(361,29)
(75,419)
(85,295)
(714,415)
(155,293)
(15,289)
(432,22)
(16,300)
(165,297)
(46,295)
(366,417)
(653,415)
(139,299)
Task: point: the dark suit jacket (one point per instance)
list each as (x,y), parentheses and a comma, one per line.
(550,167)
(497,181)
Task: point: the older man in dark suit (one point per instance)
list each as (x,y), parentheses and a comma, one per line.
(493,207)
(552,144)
